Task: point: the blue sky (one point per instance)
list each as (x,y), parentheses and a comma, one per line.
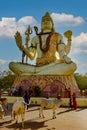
(16,15)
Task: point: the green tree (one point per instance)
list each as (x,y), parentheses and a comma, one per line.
(81,81)
(7,80)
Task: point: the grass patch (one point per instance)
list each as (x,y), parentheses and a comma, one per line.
(82,102)
(12,99)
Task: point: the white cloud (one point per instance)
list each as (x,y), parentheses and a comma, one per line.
(81,66)
(80,40)
(9,26)
(66,19)
(79,44)
(79,50)
(2,62)
(7,22)
(27,20)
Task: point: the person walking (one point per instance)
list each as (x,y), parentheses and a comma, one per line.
(74,101)
(26,98)
(70,98)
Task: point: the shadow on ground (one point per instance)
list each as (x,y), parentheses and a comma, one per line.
(30,124)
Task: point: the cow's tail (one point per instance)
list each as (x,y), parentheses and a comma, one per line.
(25,103)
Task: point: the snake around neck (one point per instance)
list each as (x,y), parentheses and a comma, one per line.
(47,41)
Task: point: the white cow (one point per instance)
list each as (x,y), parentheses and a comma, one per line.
(1,110)
(49,103)
(4,102)
(19,108)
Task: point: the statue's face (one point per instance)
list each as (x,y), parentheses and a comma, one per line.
(46,24)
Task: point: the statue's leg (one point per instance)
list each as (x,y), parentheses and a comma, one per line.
(55,68)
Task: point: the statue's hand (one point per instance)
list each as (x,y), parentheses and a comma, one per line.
(67,59)
(18,40)
(68,34)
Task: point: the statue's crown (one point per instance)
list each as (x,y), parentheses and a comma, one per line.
(47,17)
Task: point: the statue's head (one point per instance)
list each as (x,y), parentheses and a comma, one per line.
(47,23)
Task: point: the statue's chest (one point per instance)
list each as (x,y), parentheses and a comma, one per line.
(47,42)
(44,40)
(52,39)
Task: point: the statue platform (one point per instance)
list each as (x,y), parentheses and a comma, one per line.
(48,84)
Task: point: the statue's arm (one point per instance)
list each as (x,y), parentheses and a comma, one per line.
(68,47)
(68,35)
(30,51)
(62,50)
(18,40)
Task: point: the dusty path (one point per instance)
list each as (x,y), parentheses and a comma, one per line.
(66,120)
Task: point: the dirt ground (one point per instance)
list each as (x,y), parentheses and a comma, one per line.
(66,120)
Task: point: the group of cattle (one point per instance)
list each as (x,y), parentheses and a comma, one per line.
(19,108)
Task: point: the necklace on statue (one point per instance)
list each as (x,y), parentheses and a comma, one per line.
(45,49)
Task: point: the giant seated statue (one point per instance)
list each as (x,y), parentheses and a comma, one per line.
(44,47)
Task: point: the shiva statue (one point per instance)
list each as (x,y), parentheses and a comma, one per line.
(44,47)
